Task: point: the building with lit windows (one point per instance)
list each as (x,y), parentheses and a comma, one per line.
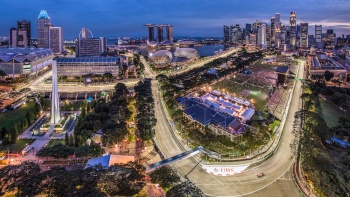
(304,43)
(293,30)
(43,29)
(226,34)
(318,36)
(56,39)
(262,36)
(80,66)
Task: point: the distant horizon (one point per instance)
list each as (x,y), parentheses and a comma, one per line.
(197,18)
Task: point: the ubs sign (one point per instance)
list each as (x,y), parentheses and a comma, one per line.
(222,170)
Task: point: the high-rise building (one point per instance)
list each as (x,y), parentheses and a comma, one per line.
(256,26)
(150,33)
(331,39)
(236,33)
(293,30)
(311,40)
(24,25)
(56,39)
(160,34)
(18,38)
(252,39)
(304,35)
(84,33)
(169,33)
(226,34)
(262,36)
(88,47)
(272,31)
(277,30)
(248,28)
(318,36)
(43,29)
(103,44)
(268,36)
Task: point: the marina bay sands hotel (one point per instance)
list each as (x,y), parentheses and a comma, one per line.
(160,37)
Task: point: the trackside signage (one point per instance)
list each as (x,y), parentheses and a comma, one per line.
(222,170)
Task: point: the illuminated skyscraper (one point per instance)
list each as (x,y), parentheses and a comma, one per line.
(24,25)
(277,31)
(273,31)
(262,36)
(226,34)
(43,29)
(169,33)
(293,29)
(318,36)
(56,39)
(84,33)
(304,35)
(150,33)
(160,34)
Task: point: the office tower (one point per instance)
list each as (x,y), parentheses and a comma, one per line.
(293,30)
(248,28)
(252,39)
(103,46)
(256,26)
(56,39)
(236,33)
(311,40)
(43,29)
(268,36)
(226,34)
(85,47)
(277,30)
(13,37)
(18,38)
(169,33)
(331,39)
(159,33)
(272,31)
(84,33)
(24,25)
(150,33)
(262,36)
(231,32)
(318,36)
(304,35)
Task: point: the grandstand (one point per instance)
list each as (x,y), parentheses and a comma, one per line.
(277,103)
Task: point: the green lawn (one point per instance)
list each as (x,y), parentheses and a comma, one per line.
(329,112)
(275,123)
(18,147)
(55,142)
(9,118)
(257,95)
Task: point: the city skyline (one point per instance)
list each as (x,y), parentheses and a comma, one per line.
(116,18)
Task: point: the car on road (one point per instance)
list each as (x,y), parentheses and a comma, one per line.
(260,175)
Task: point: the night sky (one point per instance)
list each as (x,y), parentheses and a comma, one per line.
(116,18)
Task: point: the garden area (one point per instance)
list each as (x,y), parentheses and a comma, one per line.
(18,146)
(11,117)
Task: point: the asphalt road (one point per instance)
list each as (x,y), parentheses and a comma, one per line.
(245,183)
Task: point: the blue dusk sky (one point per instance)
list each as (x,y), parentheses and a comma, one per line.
(117,18)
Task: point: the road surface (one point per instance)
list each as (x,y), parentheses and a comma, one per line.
(245,183)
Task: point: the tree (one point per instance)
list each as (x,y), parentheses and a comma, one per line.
(2,73)
(3,132)
(328,75)
(184,189)
(71,140)
(164,176)
(66,139)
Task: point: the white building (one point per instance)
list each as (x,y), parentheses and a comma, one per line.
(262,36)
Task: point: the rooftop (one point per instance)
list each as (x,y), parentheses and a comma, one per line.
(282,69)
(87,59)
(43,14)
(23,54)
